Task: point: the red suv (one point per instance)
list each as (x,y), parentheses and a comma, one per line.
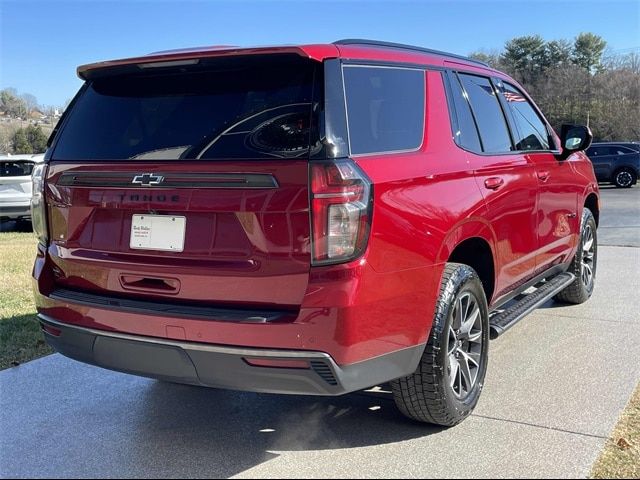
(312,219)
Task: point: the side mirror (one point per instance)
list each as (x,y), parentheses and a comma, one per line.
(574,138)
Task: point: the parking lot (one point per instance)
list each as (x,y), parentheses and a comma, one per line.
(555,388)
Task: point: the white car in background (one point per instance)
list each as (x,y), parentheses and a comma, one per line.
(15,186)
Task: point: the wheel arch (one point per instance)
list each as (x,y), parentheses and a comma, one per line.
(593,204)
(472,244)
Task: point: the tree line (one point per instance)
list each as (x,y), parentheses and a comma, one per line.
(576,81)
(23,140)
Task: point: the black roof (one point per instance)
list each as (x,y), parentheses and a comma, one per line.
(402,46)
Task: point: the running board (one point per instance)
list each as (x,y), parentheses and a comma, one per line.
(503,321)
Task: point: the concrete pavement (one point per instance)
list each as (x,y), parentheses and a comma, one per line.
(620,216)
(556,385)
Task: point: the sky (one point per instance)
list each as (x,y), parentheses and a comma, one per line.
(42,42)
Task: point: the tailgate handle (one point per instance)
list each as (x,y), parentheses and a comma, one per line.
(150,284)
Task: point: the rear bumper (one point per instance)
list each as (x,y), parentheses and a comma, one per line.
(223,366)
(15,209)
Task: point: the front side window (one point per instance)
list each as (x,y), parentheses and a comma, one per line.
(488,114)
(385,108)
(530,132)
(239,108)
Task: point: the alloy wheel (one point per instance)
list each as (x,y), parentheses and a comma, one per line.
(464,352)
(624,178)
(588,257)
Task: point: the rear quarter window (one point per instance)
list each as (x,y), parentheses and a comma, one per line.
(385,108)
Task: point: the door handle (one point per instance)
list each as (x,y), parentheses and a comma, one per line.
(493,183)
(543,176)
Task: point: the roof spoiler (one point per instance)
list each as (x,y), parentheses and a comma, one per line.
(192,56)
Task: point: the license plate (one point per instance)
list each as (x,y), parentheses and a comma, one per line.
(158,232)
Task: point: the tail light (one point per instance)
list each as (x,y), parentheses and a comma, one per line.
(38,207)
(341,211)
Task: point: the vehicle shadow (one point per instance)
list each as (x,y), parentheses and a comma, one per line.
(222,433)
(13,226)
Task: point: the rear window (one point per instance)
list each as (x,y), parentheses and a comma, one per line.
(238,108)
(385,108)
(15,169)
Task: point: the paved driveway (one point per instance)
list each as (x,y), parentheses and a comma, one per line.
(556,385)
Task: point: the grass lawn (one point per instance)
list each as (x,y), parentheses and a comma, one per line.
(20,336)
(621,455)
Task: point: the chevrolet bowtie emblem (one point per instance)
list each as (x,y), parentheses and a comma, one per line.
(147,179)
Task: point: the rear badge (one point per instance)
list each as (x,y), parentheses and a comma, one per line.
(147,179)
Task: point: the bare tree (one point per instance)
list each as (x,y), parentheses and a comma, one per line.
(577,83)
(30,101)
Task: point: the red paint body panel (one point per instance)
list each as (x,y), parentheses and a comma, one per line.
(257,241)
(511,214)
(252,248)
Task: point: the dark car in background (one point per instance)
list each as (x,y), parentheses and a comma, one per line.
(616,162)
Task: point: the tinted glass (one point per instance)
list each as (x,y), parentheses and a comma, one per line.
(15,169)
(385,108)
(488,114)
(623,151)
(467,134)
(531,133)
(600,151)
(258,108)
(634,146)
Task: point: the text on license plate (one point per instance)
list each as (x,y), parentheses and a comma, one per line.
(158,232)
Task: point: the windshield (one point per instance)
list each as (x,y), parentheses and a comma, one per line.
(249,108)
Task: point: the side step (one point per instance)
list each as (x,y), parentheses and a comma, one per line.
(504,320)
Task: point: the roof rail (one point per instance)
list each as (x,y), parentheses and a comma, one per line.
(401,46)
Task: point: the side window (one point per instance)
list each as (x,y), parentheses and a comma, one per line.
(601,151)
(385,108)
(488,114)
(530,132)
(623,151)
(466,134)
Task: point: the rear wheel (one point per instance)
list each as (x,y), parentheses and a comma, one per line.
(624,178)
(584,263)
(446,387)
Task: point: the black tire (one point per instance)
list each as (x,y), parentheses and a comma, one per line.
(624,178)
(579,291)
(428,395)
